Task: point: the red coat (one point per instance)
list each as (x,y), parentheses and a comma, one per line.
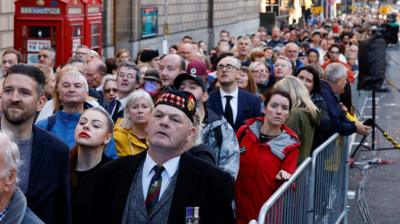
(259,165)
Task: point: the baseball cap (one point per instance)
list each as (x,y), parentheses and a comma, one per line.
(197,67)
(185,76)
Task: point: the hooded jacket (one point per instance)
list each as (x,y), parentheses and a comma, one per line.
(259,165)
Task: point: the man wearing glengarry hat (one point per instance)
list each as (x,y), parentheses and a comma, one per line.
(163,183)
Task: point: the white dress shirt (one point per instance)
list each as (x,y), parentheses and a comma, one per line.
(170,168)
(233,102)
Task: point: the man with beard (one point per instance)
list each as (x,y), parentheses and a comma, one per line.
(44,174)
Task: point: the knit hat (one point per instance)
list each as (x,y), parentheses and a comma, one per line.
(147,55)
(182,100)
(197,67)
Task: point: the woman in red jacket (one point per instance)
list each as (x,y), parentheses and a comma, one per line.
(269,151)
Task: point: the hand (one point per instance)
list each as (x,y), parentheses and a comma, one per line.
(362,129)
(343,107)
(253,221)
(283,175)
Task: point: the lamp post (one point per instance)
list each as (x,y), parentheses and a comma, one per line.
(165,29)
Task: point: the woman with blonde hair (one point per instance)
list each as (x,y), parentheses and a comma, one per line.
(304,117)
(131,133)
(50,80)
(262,76)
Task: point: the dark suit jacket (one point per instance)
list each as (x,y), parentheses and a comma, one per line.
(48,193)
(249,106)
(198,184)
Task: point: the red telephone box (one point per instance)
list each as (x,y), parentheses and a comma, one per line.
(93,24)
(59,24)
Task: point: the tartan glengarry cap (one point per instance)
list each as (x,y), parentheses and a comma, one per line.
(182,100)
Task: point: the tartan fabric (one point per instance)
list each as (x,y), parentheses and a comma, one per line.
(153,192)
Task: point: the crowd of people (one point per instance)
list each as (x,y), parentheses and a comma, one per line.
(195,135)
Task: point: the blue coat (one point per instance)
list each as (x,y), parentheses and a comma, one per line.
(48,192)
(249,106)
(339,121)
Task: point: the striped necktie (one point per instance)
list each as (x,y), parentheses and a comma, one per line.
(154,189)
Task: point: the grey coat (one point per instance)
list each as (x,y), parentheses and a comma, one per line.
(18,211)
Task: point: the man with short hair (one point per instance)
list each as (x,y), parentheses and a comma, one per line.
(185,50)
(275,37)
(164,184)
(291,51)
(224,35)
(334,84)
(13,205)
(234,104)
(170,66)
(217,134)
(45,173)
(9,58)
(243,48)
(95,72)
(127,82)
(47,56)
(82,51)
(73,89)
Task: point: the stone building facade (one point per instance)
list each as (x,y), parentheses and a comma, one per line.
(122,22)
(6,24)
(201,19)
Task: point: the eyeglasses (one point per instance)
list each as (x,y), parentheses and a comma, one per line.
(335,52)
(43,56)
(228,67)
(259,71)
(126,75)
(110,90)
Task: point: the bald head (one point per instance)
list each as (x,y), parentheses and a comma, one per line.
(95,72)
(292,51)
(170,66)
(185,50)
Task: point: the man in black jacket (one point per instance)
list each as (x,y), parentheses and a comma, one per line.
(164,184)
(44,175)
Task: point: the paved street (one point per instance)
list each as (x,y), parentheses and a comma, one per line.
(382,185)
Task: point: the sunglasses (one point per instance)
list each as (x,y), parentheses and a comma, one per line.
(110,90)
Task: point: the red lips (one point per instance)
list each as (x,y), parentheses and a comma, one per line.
(84,134)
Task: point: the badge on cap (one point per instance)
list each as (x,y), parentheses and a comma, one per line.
(193,71)
(190,103)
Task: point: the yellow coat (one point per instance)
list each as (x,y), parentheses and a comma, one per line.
(127,143)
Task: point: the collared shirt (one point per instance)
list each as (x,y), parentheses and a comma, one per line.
(3,213)
(170,168)
(233,102)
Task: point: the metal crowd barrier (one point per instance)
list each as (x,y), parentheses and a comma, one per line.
(291,201)
(316,193)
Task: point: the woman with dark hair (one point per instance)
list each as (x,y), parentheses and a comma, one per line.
(268,158)
(310,77)
(246,80)
(92,134)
